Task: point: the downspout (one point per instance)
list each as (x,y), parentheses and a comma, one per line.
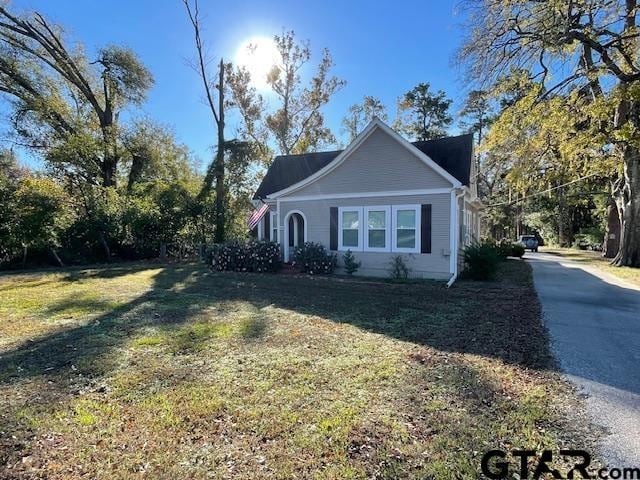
(456,238)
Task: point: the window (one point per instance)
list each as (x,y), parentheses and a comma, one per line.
(379,228)
(273,221)
(377,237)
(406,228)
(466,227)
(350,233)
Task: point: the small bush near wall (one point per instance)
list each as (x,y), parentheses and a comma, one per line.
(245,257)
(481,260)
(350,264)
(398,269)
(313,258)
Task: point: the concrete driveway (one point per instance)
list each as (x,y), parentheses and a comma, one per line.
(594,323)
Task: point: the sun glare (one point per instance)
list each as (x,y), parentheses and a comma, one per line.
(258,55)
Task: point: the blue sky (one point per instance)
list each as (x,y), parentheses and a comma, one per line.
(381,48)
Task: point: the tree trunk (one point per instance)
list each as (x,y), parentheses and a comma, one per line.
(135,173)
(109,172)
(562,242)
(629,205)
(163,250)
(220,191)
(611,242)
(55,255)
(24,255)
(105,246)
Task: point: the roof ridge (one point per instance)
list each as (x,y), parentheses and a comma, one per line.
(308,153)
(443,138)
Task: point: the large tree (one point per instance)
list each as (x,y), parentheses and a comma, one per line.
(476,114)
(540,144)
(59,95)
(587,51)
(475,118)
(423,114)
(42,213)
(292,121)
(214,89)
(360,114)
(297,123)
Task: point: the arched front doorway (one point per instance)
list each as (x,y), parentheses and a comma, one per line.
(295,232)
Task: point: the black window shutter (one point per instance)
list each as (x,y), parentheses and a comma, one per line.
(267,226)
(425,228)
(333,228)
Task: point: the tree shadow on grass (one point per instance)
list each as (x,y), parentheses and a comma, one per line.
(490,320)
(89,344)
(495,320)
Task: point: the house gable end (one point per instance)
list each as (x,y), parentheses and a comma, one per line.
(378,160)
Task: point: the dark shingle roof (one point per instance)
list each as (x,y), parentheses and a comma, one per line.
(454,154)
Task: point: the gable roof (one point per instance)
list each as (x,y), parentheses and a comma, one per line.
(451,155)
(289,169)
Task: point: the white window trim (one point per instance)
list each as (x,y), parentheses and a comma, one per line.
(394,241)
(341,210)
(387,230)
(273,225)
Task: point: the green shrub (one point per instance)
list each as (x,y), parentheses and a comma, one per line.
(517,250)
(481,260)
(504,248)
(350,263)
(264,256)
(313,258)
(398,269)
(245,257)
(589,239)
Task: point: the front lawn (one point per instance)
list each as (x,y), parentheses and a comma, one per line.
(154,371)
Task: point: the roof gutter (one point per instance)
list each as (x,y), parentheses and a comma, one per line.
(455,240)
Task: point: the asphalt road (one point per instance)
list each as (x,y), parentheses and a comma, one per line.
(594,323)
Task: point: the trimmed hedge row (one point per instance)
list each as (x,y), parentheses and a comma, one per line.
(245,257)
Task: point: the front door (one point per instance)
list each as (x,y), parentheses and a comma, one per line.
(295,235)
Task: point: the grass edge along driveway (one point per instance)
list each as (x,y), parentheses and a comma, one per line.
(172,371)
(595,259)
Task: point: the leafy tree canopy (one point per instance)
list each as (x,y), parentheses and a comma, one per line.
(423,114)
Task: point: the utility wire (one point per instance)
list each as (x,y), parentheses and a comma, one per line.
(542,192)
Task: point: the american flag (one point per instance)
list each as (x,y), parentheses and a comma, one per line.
(256,215)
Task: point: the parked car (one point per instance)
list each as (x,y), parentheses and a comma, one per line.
(530,242)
